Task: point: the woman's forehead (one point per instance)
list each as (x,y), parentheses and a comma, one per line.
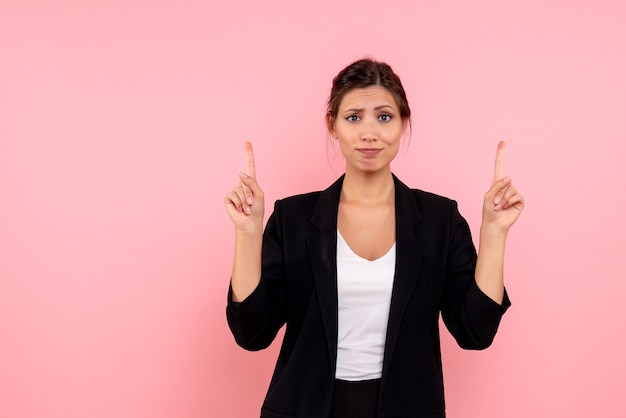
(373,96)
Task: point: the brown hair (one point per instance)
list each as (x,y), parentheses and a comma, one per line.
(367,73)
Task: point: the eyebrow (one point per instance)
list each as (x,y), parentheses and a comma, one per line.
(352,109)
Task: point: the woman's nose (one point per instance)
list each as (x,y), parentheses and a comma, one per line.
(368,132)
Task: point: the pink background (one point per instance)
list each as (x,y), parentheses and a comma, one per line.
(121,129)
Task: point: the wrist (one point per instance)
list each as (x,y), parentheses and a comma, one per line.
(489,230)
(249,231)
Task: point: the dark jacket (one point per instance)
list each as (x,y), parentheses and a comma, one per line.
(435,263)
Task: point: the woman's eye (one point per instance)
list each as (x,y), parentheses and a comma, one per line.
(353,118)
(384,118)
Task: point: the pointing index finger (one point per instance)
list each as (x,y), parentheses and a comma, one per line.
(251,170)
(498,173)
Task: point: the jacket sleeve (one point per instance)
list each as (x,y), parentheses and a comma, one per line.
(471,316)
(255,321)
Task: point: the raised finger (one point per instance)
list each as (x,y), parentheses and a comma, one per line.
(498,173)
(251,169)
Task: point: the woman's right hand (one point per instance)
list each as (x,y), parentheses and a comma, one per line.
(245,204)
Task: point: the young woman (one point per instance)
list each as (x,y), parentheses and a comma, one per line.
(360,272)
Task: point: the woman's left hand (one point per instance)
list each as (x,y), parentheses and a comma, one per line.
(503,203)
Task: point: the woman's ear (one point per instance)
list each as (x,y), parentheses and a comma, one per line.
(330,125)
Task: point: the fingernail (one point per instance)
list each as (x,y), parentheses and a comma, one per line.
(248,210)
(243,175)
(497,200)
(249,200)
(506,179)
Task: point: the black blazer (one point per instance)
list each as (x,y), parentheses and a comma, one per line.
(435,263)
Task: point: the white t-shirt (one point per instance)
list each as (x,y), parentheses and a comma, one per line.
(364,293)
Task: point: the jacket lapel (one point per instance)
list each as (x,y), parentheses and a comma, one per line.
(409,248)
(322,247)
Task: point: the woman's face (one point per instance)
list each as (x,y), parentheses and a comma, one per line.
(368,128)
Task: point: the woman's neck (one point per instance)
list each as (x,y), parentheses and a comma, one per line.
(368,188)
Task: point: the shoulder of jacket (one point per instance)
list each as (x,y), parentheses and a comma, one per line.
(299,199)
(421,195)
(297,205)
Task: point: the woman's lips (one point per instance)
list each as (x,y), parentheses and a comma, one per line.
(369,151)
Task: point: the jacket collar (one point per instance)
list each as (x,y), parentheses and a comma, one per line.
(322,248)
(325,214)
